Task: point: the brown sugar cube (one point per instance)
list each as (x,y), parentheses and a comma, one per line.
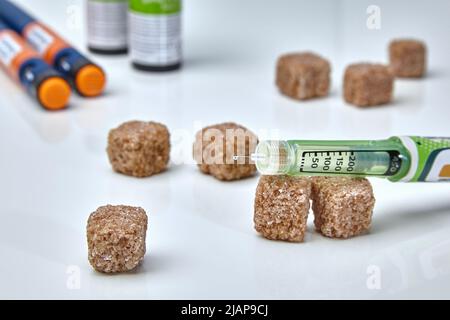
(281,207)
(342,207)
(116,238)
(407,58)
(215,146)
(303,76)
(139,148)
(368,84)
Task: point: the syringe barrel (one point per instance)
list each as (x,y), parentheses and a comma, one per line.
(382,158)
(407,159)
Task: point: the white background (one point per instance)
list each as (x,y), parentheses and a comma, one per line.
(201,242)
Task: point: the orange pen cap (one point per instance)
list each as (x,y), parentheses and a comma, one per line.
(54,93)
(90,81)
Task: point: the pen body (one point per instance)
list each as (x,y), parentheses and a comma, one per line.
(24,65)
(408,159)
(86,77)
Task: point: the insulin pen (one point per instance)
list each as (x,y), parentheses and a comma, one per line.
(407,159)
(36,76)
(86,77)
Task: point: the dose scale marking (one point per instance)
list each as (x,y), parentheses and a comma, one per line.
(348,162)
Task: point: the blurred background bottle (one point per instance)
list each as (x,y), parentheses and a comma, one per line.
(107,26)
(155,34)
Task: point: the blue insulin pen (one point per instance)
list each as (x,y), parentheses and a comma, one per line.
(86,77)
(25,65)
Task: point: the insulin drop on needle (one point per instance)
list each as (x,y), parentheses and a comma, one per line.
(155,34)
(107,26)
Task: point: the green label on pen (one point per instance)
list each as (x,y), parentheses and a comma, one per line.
(156,6)
(430,158)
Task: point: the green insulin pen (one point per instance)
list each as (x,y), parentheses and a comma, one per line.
(407,159)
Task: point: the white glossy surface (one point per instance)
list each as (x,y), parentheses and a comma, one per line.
(201,242)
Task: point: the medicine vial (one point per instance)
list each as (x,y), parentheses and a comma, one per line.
(155,34)
(107,26)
